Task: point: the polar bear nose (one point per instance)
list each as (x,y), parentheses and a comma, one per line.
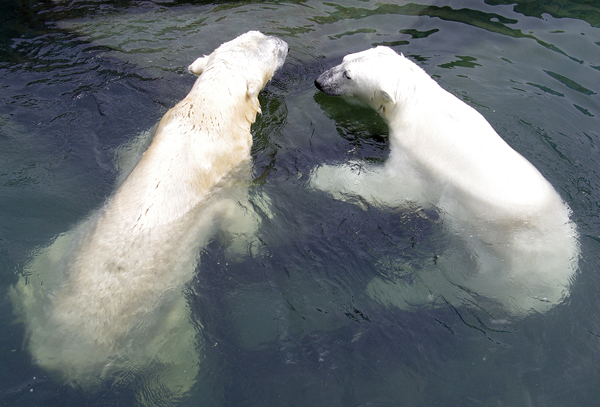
(318,84)
(281,51)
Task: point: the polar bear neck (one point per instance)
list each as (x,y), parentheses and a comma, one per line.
(223,93)
(197,143)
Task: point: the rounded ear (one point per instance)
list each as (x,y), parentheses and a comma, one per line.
(254,86)
(388,96)
(382,49)
(197,67)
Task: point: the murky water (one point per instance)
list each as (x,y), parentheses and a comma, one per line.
(289,322)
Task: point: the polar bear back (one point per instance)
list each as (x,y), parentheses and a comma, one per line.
(464,160)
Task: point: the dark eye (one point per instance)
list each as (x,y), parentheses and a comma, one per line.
(347,75)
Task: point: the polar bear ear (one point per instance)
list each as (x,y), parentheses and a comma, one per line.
(197,67)
(254,86)
(387,96)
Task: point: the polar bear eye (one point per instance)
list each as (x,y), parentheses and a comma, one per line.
(347,75)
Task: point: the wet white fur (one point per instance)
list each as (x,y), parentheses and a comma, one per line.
(106,301)
(443,153)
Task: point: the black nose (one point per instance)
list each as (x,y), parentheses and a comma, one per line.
(318,84)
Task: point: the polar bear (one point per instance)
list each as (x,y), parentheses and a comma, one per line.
(106,302)
(521,246)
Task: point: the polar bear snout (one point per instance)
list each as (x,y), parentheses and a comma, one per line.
(282,51)
(320,83)
(267,48)
(329,82)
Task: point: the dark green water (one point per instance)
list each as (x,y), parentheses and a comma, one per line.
(290,324)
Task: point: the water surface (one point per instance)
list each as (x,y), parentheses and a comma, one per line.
(289,322)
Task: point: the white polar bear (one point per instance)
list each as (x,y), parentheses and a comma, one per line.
(522,247)
(106,300)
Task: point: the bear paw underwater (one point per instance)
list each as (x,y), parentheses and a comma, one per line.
(105,301)
(519,248)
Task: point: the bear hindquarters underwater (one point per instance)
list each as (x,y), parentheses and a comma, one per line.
(106,302)
(522,247)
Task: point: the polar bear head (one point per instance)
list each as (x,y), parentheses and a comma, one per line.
(253,55)
(378,76)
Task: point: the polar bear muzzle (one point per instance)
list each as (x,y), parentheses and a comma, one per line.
(330,81)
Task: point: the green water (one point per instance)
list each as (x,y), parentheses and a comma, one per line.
(290,324)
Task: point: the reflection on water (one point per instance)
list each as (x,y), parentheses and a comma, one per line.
(290,323)
(578,9)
